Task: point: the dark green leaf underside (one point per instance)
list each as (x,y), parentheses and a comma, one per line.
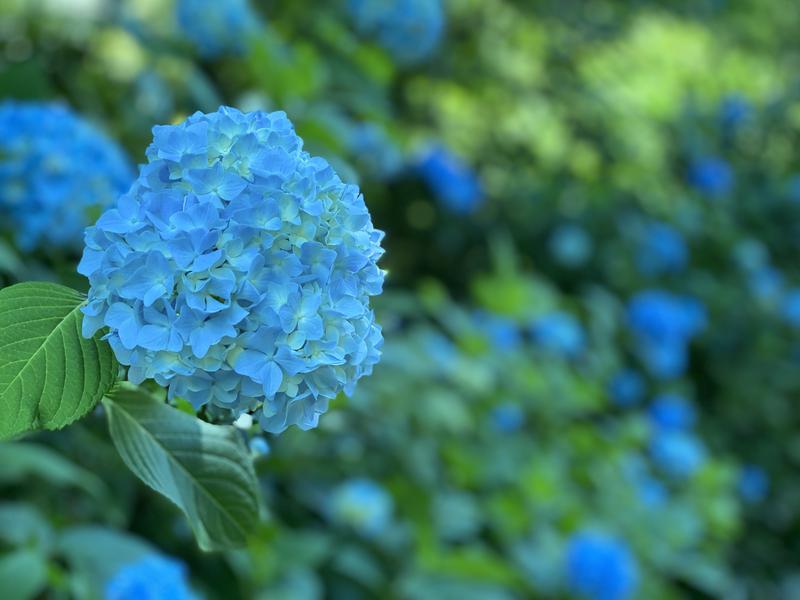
(204,469)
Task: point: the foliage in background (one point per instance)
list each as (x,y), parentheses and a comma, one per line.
(611,194)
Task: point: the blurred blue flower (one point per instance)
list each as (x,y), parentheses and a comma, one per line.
(453,183)
(153,97)
(672,412)
(766,283)
(375,150)
(570,245)
(154,577)
(216,27)
(753,484)
(651,492)
(57,173)
(507,418)
(661,250)
(237,272)
(502,332)
(410,30)
(791,307)
(733,111)
(600,567)
(677,453)
(363,505)
(259,446)
(793,188)
(711,175)
(560,333)
(663,324)
(627,387)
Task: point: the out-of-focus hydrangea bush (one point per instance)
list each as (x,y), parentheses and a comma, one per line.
(57,173)
(592,311)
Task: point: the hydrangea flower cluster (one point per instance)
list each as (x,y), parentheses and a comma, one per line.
(662,250)
(214,27)
(154,577)
(559,333)
(674,447)
(753,484)
(237,271)
(663,324)
(672,412)
(410,30)
(627,387)
(600,567)
(711,176)
(55,170)
(453,183)
(363,505)
(374,150)
(570,245)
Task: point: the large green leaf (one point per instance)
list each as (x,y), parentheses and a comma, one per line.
(49,374)
(204,469)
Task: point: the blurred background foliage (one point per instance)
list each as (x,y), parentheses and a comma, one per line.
(592,318)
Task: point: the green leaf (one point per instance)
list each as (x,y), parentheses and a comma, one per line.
(23,574)
(96,553)
(23,525)
(50,375)
(21,461)
(204,469)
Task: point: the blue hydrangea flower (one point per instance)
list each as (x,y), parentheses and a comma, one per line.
(663,324)
(570,245)
(766,283)
(790,308)
(57,173)
(154,577)
(507,418)
(733,111)
(559,333)
(237,271)
(600,567)
(409,30)
(661,250)
(259,446)
(453,183)
(672,412)
(677,453)
(363,505)
(793,188)
(215,27)
(627,387)
(502,332)
(711,175)
(375,150)
(753,484)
